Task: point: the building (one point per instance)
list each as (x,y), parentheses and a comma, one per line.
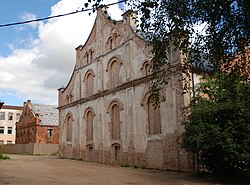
(9,115)
(38,124)
(106,112)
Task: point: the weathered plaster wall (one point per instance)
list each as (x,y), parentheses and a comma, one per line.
(135,145)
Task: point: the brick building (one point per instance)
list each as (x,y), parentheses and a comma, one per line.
(38,124)
(106,112)
(9,115)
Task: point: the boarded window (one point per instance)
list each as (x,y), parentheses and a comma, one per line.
(154,118)
(90,117)
(115,122)
(114,74)
(117,151)
(69,128)
(89,84)
(90,153)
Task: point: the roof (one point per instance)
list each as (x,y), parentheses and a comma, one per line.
(12,107)
(48,114)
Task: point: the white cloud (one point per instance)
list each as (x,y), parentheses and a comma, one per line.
(29,16)
(37,73)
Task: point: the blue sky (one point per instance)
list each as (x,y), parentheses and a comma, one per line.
(36,59)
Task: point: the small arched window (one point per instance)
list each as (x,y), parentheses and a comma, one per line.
(111,44)
(115,122)
(69,123)
(114,73)
(146,68)
(89,120)
(154,117)
(89,84)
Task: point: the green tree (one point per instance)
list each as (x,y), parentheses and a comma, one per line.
(218,126)
(211,35)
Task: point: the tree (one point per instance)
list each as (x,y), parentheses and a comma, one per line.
(218,127)
(211,35)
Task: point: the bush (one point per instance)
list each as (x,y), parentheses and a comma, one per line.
(3,156)
(218,126)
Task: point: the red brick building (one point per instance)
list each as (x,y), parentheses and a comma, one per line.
(38,124)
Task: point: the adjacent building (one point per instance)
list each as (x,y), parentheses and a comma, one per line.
(106,113)
(38,124)
(9,115)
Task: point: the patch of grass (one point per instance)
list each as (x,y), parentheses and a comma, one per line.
(54,154)
(4,157)
(124,165)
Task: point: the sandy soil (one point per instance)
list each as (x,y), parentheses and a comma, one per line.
(50,170)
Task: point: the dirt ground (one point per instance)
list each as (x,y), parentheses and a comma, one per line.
(50,170)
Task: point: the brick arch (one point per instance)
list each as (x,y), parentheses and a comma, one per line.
(115,102)
(69,114)
(113,69)
(89,115)
(113,59)
(90,108)
(90,71)
(69,126)
(146,67)
(145,96)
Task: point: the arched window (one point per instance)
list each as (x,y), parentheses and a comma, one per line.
(111,44)
(89,120)
(154,117)
(114,74)
(69,123)
(89,84)
(146,68)
(115,122)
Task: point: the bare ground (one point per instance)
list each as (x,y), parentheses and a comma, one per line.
(50,170)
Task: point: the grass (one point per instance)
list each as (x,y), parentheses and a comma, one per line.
(2,157)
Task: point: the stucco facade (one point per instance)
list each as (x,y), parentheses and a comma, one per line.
(105,111)
(38,124)
(9,115)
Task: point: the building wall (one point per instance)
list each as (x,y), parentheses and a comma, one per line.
(30,148)
(29,129)
(8,123)
(124,99)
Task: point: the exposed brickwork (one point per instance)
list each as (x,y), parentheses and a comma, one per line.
(123,127)
(29,129)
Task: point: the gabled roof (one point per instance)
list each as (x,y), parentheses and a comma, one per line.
(48,114)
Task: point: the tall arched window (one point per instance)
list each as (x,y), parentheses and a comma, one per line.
(89,120)
(114,74)
(69,123)
(154,117)
(115,122)
(89,84)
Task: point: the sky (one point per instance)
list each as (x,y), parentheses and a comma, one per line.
(38,58)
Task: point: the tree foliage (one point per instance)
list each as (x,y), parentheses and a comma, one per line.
(218,126)
(211,35)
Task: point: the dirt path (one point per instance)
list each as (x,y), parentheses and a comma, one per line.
(44,170)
